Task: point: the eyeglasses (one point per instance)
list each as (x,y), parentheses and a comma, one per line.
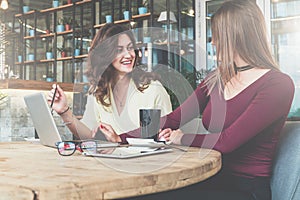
(67,148)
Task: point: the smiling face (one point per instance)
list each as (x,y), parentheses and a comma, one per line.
(124,61)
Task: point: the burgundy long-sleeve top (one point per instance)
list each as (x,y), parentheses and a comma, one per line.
(245,128)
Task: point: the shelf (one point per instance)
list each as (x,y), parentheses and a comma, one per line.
(141,16)
(81,56)
(64,58)
(29,37)
(83,2)
(99,25)
(53,60)
(29,62)
(57,8)
(25,14)
(46,60)
(47,35)
(64,32)
(36,85)
(52,9)
(115,22)
(135,17)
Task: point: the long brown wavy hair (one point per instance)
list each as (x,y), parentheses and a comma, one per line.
(238,28)
(100,71)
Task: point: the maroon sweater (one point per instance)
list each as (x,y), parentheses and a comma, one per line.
(245,129)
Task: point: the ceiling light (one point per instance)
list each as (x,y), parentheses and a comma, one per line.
(4,4)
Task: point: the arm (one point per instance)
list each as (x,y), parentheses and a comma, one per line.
(271,103)
(190,109)
(60,105)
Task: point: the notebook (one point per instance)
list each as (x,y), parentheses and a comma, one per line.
(126,152)
(44,123)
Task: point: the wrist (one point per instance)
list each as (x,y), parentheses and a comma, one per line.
(64,111)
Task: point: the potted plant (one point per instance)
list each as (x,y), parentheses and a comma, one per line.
(67,21)
(77,49)
(60,25)
(143,8)
(49,54)
(63,52)
(55,3)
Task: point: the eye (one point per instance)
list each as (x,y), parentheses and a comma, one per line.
(130,48)
(119,50)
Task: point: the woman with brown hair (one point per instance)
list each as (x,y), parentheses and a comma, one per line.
(118,88)
(244,104)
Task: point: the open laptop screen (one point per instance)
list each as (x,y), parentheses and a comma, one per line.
(42,119)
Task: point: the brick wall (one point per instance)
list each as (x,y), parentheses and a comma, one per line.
(15,120)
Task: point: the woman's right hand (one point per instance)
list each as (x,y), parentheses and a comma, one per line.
(109,132)
(60,103)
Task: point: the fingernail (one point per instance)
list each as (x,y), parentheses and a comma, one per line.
(101,126)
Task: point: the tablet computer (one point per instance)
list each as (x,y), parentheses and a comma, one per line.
(126,152)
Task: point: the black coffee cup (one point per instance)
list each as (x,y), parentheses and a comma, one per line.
(149,123)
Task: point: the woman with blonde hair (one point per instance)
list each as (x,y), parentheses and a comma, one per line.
(244,104)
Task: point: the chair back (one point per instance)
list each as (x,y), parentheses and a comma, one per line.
(285,182)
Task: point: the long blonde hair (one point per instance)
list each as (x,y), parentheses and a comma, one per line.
(238,28)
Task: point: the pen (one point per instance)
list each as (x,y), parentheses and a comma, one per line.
(52,101)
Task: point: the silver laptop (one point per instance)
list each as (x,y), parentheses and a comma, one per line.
(44,123)
(42,119)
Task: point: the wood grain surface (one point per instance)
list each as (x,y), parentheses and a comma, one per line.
(32,171)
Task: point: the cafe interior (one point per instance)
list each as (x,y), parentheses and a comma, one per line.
(46,42)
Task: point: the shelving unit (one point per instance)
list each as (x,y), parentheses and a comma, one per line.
(47,37)
(87,17)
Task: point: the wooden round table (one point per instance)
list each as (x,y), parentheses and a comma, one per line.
(32,171)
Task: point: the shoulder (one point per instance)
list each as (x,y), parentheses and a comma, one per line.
(278,78)
(278,82)
(155,85)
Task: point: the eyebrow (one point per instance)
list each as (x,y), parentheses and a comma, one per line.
(127,45)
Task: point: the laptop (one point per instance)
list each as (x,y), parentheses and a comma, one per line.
(42,119)
(44,123)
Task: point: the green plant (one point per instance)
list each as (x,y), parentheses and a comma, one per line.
(60,21)
(67,20)
(61,49)
(145,3)
(49,49)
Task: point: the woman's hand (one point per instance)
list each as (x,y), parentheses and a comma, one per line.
(109,132)
(172,136)
(60,103)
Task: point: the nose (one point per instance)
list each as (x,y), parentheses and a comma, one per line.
(127,53)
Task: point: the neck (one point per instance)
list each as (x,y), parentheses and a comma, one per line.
(122,81)
(242,68)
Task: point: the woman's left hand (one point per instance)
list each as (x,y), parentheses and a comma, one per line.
(109,132)
(172,136)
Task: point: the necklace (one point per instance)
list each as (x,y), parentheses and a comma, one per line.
(120,101)
(243,68)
